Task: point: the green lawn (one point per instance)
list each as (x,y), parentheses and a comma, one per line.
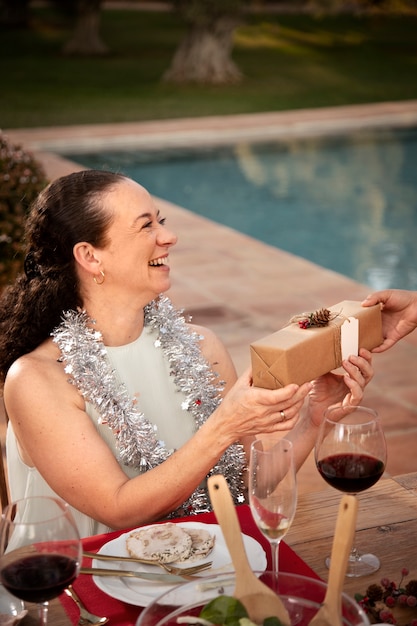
(288,62)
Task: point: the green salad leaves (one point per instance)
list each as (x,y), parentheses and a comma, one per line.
(228,611)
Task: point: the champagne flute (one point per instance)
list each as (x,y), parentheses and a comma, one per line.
(40,550)
(272,491)
(351,454)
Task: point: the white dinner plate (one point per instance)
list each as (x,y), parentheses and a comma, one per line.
(143,592)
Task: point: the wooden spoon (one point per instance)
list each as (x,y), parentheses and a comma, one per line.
(330,612)
(258,599)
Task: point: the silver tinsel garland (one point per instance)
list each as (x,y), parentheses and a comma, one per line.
(86,361)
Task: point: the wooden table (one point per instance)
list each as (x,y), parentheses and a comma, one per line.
(387,522)
(386,526)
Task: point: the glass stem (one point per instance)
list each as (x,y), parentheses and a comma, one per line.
(43,613)
(354,557)
(275,563)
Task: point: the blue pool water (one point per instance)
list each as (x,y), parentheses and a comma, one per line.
(348,203)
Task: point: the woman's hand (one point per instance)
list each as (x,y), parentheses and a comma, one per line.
(247,410)
(331,389)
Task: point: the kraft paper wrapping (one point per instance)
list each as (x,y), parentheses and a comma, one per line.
(297,355)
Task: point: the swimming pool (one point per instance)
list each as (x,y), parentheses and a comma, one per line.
(347,203)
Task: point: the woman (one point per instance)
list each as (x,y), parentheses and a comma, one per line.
(147,416)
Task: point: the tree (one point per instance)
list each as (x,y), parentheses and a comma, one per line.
(204,55)
(86,38)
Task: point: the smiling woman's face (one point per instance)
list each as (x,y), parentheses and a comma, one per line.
(137,255)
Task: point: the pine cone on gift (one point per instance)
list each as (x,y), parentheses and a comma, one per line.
(319,318)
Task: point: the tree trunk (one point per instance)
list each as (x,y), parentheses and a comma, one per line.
(204,55)
(86,40)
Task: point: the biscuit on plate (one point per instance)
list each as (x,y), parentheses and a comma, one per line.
(202,543)
(162,542)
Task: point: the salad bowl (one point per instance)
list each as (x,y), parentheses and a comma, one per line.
(302,597)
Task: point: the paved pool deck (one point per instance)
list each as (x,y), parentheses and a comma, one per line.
(240,287)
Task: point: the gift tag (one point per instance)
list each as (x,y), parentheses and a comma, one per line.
(349,341)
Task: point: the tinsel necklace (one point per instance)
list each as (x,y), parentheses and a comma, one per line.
(86,361)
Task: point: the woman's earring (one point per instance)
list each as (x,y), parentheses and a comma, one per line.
(99,282)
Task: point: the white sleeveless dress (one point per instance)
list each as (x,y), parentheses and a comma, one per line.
(145,372)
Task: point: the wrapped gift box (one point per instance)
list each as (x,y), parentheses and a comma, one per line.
(298,355)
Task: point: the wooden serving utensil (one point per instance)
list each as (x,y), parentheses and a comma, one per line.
(258,599)
(330,612)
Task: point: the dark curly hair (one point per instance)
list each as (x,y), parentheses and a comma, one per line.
(68,211)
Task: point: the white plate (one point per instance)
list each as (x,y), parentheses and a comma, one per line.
(142,592)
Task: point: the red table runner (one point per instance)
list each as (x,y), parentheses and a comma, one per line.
(123,614)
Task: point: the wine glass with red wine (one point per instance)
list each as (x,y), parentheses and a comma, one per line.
(351,454)
(40,550)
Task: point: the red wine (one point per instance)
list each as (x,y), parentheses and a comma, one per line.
(40,577)
(351,473)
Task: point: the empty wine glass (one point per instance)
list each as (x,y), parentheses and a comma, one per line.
(351,454)
(40,550)
(272,490)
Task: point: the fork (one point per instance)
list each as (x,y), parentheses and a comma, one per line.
(86,618)
(183,571)
(171,569)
